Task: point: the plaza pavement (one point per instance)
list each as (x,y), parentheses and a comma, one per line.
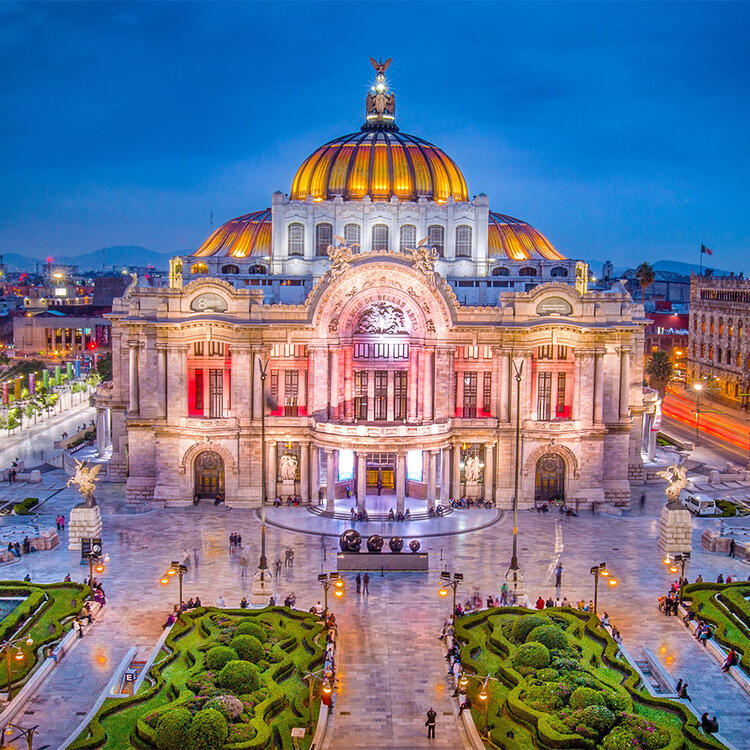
(390,664)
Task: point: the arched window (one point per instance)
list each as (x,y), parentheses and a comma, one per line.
(231,268)
(558,271)
(711,324)
(729,357)
(352,235)
(407,237)
(500,271)
(463,241)
(199,268)
(739,359)
(703,324)
(721,326)
(527,271)
(436,238)
(379,237)
(257,269)
(323,238)
(296,240)
(730,328)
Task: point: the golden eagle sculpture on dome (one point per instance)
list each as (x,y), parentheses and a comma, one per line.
(380,107)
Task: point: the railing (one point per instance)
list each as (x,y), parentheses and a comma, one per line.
(382,430)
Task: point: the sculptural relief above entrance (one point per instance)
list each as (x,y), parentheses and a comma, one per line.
(382,318)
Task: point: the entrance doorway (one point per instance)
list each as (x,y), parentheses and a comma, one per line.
(381,472)
(550,478)
(209,474)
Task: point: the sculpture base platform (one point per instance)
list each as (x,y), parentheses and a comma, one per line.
(262,589)
(83,523)
(382,561)
(675,530)
(516,584)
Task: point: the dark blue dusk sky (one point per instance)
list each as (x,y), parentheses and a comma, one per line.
(620,131)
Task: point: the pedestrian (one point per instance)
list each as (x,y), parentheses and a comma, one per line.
(359,583)
(366,584)
(430,723)
(195,558)
(732,545)
(558,575)
(57,521)
(278,566)
(220,602)
(243,567)
(185,558)
(62,521)
(720,578)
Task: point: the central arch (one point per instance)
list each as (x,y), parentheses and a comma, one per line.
(208,474)
(549,482)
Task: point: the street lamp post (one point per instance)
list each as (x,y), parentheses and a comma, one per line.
(450,582)
(179,570)
(680,559)
(513,576)
(26,733)
(331,580)
(600,570)
(483,695)
(697,387)
(19,656)
(311,677)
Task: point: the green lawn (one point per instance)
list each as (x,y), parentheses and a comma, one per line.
(295,643)
(564,686)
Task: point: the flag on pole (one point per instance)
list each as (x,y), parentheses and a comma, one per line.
(706,250)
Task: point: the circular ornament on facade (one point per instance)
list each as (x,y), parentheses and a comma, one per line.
(209,302)
(554,306)
(415,545)
(350,541)
(374,543)
(396,543)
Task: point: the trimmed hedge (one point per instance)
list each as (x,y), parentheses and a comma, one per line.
(239,676)
(24,507)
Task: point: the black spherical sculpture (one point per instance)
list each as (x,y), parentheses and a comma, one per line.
(396,543)
(374,543)
(350,541)
(414,545)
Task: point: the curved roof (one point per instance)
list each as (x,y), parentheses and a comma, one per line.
(243,237)
(513,239)
(380,163)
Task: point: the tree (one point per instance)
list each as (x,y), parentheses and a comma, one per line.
(659,371)
(104,367)
(645,275)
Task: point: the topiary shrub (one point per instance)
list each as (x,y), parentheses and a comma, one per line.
(582,697)
(553,637)
(598,718)
(617,702)
(248,627)
(172,729)
(548,696)
(523,625)
(650,736)
(229,706)
(566,664)
(548,675)
(208,731)
(620,738)
(583,679)
(218,656)
(248,647)
(239,677)
(532,655)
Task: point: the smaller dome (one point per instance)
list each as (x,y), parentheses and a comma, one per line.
(513,239)
(243,237)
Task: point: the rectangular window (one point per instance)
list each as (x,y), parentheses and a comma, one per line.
(199,390)
(562,352)
(399,394)
(487,393)
(361,351)
(470,395)
(274,390)
(544,396)
(471,352)
(216,394)
(380,351)
(560,406)
(198,349)
(400,351)
(215,349)
(545,352)
(360,395)
(381,394)
(291,392)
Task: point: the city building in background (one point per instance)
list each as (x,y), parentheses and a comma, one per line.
(668,331)
(393,312)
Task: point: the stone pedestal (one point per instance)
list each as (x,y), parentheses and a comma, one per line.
(517,585)
(675,530)
(83,523)
(262,589)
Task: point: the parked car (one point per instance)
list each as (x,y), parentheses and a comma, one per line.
(698,504)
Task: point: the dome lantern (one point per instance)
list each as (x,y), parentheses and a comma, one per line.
(380,105)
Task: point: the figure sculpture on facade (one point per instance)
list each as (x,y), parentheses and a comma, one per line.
(472,469)
(341,256)
(424,258)
(676,476)
(288,467)
(85,478)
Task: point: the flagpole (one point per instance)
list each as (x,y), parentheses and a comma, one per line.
(700,273)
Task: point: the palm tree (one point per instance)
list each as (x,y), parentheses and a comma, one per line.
(645,276)
(659,371)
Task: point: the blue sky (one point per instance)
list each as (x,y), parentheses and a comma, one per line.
(619,130)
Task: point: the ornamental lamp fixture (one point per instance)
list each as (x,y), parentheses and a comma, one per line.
(165,580)
(29,641)
(19,655)
(612,582)
(443,592)
(483,695)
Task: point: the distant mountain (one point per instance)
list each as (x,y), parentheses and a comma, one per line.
(118,256)
(675,266)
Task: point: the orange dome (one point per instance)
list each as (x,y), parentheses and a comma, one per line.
(241,237)
(513,239)
(381,163)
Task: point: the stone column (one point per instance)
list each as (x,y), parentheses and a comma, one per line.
(624,383)
(271,463)
(361,480)
(174,385)
(651,442)
(400,481)
(161,381)
(445,483)
(304,473)
(413,378)
(314,474)
(330,480)
(456,488)
(134,402)
(431,478)
(489,472)
(420,388)
(100,432)
(256,383)
(598,386)
(334,397)
(505,386)
(241,383)
(427,387)
(348,406)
